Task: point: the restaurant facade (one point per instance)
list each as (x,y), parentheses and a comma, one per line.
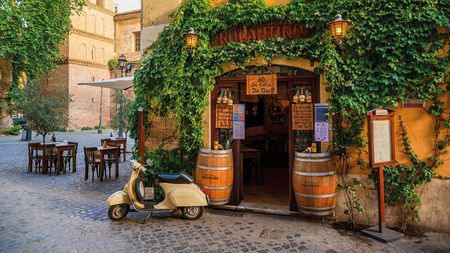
(273,114)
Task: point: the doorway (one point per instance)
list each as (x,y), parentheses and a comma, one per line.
(263,159)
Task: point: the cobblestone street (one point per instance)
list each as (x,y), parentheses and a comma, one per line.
(41,213)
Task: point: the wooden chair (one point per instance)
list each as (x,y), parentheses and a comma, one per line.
(49,158)
(71,154)
(92,161)
(112,156)
(35,156)
(121,144)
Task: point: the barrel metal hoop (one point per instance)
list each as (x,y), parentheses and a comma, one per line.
(313,196)
(215,188)
(214,168)
(312,161)
(211,151)
(315,174)
(313,155)
(216,156)
(316,208)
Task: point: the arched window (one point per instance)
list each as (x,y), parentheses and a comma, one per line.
(83,51)
(101,26)
(93,53)
(93,23)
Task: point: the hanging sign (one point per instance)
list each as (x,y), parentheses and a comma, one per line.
(239,121)
(302,116)
(381,138)
(321,126)
(414,103)
(224,116)
(262,84)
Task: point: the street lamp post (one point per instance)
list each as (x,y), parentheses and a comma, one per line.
(122,65)
(141,134)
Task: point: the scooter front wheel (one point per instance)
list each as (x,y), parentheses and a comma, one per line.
(192,212)
(117,212)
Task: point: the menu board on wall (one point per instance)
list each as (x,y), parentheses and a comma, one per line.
(239,121)
(321,126)
(261,84)
(302,117)
(382,141)
(224,116)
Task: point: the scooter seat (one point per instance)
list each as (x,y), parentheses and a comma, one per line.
(179,178)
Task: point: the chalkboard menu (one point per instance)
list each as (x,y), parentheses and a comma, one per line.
(224,116)
(302,116)
(261,84)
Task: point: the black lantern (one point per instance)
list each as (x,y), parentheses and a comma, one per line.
(191,40)
(338,28)
(122,61)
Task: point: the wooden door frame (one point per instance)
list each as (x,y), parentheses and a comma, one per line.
(233,83)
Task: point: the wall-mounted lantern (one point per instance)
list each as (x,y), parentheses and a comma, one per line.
(338,28)
(191,40)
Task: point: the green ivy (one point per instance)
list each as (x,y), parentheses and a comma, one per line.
(390,55)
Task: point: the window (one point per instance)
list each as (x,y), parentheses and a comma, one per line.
(137,41)
(99,3)
(116,9)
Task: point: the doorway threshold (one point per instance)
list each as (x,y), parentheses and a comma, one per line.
(259,208)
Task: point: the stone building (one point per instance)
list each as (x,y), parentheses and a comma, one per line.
(88,48)
(293,74)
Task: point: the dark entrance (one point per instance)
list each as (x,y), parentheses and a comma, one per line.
(263,160)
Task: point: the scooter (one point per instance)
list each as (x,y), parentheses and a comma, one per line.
(180,193)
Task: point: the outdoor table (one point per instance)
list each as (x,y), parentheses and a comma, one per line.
(60,148)
(101,151)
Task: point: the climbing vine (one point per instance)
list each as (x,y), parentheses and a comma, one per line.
(390,55)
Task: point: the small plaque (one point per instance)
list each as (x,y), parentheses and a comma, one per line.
(224,116)
(414,103)
(302,117)
(381,112)
(261,84)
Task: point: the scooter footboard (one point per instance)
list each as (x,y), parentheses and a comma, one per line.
(117,198)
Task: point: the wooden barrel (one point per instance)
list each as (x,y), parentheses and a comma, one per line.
(214,172)
(314,183)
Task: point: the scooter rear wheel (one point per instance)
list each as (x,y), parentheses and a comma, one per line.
(117,212)
(192,212)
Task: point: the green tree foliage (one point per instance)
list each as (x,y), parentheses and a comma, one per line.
(44,112)
(120,119)
(32,31)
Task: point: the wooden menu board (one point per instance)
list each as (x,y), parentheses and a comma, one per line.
(261,84)
(302,116)
(224,116)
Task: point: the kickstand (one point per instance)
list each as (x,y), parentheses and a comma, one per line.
(148,217)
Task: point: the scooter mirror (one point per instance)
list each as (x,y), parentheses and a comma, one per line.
(149,162)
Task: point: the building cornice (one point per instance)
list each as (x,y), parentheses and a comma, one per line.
(84,63)
(128,15)
(92,35)
(101,9)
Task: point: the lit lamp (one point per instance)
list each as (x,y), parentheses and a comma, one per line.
(191,40)
(338,28)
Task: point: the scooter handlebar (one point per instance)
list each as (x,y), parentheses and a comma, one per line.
(137,165)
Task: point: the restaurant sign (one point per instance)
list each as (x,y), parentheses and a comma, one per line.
(261,84)
(276,29)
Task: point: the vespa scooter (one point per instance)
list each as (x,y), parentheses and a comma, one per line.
(180,193)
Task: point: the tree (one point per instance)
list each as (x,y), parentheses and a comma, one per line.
(44,113)
(31,33)
(120,120)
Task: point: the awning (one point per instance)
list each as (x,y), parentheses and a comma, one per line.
(123,83)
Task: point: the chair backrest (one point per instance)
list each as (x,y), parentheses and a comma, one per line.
(49,149)
(112,153)
(76,145)
(89,154)
(34,146)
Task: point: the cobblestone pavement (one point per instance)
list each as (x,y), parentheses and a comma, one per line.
(41,213)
